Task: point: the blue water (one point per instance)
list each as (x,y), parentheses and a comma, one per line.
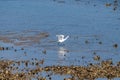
(81,21)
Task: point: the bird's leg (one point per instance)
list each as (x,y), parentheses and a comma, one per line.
(58,43)
(63,44)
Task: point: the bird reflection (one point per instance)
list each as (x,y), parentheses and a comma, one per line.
(62,53)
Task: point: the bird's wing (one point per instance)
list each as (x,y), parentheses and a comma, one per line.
(60,37)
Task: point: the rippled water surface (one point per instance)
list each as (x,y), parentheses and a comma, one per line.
(33,25)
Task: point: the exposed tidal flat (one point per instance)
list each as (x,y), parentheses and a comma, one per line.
(28,44)
(33,55)
(11,70)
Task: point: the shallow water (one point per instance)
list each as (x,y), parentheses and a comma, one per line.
(92,29)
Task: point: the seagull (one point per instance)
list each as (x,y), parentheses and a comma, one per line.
(62,38)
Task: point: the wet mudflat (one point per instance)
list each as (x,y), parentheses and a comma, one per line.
(10,70)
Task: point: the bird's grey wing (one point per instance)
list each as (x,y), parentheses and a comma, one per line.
(59,37)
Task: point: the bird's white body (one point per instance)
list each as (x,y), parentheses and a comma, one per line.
(62,38)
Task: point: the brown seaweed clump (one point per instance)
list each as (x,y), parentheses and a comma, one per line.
(9,70)
(25,39)
(91,72)
(6,72)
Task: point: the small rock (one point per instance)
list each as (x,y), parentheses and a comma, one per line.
(86,41)
(1,48)
(97,58)
(44,51)
(22,48)
(100,42)
(115,45)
